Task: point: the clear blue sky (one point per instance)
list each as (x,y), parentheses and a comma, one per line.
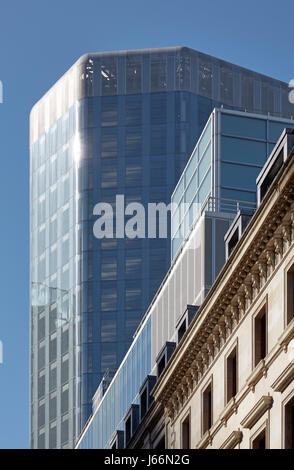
(39,41)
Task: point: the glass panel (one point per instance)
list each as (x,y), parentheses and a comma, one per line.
(226,85)
(158,72)
(109,142)
(133,74)
(205,78)
(239,176)
(109,112)
(204,139)
(204,163)
(244,151)
(243,127)
(108,331)
(205,188)
(158,108)
(275,129)
(108,174)
(108,76)
(133,110)
(192,188)
(158,141)
(133,142)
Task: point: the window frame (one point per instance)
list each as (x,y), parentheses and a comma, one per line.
(262,305)
(208,383)
(233,347)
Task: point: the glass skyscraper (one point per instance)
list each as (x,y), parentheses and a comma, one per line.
(115,123)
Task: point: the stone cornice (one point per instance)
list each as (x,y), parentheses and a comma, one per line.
(264,404)
(234,438)
(265,242)
(286,377)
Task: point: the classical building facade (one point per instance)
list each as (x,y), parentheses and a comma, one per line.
(230,381)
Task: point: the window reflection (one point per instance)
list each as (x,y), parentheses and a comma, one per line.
(108,76)
(133,74)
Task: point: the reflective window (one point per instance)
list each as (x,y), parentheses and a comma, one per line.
(182,107)
(133,176)
(133,74)
(158,72)
(158,170)
(181,140)
(158,108)
(205,78)
(237,176)
(245,151)
(133,296)
(131,325)
(247,92)
(133,265)
(109,268)
(109,112)
(109,142)
(205,138)
(226,84)
(183,71)
(109,297)
(108,330)
(204,163)
(238,195)
(108,174)
(158,141)
(205,188)
(108,357)
(133,142)
(158,264)
(275,129)
(243,127)
(108,76)
(133,110)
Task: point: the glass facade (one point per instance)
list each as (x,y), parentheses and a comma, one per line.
(115,123)
(224,165)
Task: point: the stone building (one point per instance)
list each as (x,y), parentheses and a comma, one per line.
(230,381)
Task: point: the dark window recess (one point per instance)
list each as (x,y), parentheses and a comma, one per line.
(290,294)
(131,422)
(182,330)
(186,433)
(128,429)
(260,339)
(271,175)
(289,424)
(260,441)
(161,365)
(185,320)
(161,444)
(164,355)
(233,241)
(207,408)
(143,403)
(232,375)
(146,398)
(117,441)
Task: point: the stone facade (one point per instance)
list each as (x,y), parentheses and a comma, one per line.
(230,381)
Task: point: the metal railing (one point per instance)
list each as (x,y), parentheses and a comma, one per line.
(231,206)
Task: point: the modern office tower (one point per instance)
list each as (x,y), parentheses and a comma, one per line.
(199,259)
(223,167)
(115,123)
